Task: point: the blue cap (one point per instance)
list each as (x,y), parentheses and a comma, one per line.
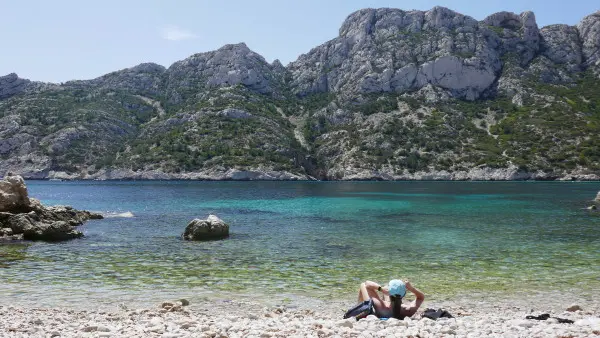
(397,288)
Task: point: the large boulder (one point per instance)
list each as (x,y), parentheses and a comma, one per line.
(55,231)
(13,195)
(24,218)
(209,229)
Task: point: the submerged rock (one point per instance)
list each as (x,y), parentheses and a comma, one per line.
(26,218)
(211,228)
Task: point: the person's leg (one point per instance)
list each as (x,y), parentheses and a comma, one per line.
(362,291)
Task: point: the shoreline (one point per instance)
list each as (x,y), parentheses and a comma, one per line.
(242,317)
(510,173)
(108,299)
(559,179)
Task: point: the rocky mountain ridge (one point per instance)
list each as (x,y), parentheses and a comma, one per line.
(397,95)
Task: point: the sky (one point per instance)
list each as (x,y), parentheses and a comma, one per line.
(61,40)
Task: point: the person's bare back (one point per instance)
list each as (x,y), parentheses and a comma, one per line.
(389,303)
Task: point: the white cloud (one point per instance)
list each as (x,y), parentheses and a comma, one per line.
(174,33)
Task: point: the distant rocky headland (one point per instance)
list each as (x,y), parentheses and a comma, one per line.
(398,95)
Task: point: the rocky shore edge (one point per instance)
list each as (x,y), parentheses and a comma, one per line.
(512,173)
(247,319)
(24,218)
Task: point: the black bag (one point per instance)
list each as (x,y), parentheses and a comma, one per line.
(436,314)
(361,310)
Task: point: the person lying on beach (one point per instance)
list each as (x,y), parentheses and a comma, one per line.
(389,304)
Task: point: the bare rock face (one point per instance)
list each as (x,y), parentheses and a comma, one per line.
(589,31)
(519,34)
(391,50)
(11,85)
(467,79)
(560,43)
(23,218)
(228,66)
(145,78)
(561,54)
(209,229)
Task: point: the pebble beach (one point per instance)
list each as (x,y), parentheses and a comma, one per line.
(473,318)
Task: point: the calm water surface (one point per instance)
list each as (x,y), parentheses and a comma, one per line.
(315,239)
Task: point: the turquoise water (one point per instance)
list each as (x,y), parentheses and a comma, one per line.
(316,239)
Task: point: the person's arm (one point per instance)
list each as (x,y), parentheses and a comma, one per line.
(411,309)
(368,290)
(373,286)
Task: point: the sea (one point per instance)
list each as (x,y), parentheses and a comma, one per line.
(308,240)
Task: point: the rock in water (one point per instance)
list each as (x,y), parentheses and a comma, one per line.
(597,199)
(26,218)
(13,195)
(211,228)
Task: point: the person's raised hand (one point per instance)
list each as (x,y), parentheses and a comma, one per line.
(407,284)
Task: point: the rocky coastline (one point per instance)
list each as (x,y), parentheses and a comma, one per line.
(24,218)
(512,173)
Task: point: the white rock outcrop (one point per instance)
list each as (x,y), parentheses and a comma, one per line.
(13,194)
(209,229)
(589,31)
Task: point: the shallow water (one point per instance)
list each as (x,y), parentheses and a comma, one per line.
(310,239)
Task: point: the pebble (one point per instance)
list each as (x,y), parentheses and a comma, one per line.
(102,328)
(171,335)
(155,321)
(523,323)
(89,328)
(346,323)
(157,329)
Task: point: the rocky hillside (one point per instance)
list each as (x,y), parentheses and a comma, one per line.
(397,95)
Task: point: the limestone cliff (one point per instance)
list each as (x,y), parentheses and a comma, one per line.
(396,95)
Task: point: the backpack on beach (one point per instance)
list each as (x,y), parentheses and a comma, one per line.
(436,314)
(361,310)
